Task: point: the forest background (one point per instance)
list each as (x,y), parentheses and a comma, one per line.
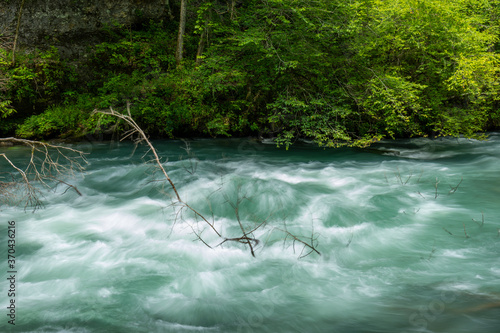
(333,71)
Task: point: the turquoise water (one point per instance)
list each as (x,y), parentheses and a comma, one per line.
(408,233)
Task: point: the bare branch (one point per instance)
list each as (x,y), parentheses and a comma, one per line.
(246,237)
(350,240)
(69,186)
(296,239)
(482,220)
(411,174)
(465,231)
(46,162)
(447,231)
(143,138)
(454,189)
(436,187)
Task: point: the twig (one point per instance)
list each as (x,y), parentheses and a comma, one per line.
(454,189)
(191,156)
(198,235)
(447,231)
(420,176)
(432,252)
(482,220)
(236,206)
(411,174)
(398,176)
(295,238)
(69,186)
(350,240)
(465,231)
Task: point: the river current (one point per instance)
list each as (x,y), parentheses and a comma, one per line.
(408,234)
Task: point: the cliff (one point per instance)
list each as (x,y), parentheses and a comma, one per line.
(70,25)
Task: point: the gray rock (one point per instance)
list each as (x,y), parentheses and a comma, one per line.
(71,25)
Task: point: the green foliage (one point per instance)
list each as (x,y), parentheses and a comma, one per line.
(37,78)
(5,109)
(317,119)
(339,73)
(5,103)
(145,51)
(422,52)
(394,104)
(56,121)
(477,77)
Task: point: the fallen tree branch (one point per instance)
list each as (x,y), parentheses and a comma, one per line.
(247,238)
(143,138)
(46,163)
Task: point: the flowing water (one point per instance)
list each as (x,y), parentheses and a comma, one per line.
(408,233)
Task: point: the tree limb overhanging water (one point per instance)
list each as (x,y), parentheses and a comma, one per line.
(247,236)
(46,163)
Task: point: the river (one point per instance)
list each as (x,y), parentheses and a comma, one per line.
(408,234)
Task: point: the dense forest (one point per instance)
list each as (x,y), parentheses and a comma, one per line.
(333,71)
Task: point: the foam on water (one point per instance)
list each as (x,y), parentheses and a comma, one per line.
(401,249)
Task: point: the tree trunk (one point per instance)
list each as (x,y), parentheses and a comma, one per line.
(17,33)
(233,4)
(204,37)
(200,48)
(180,37)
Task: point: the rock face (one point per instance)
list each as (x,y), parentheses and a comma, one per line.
(72,24)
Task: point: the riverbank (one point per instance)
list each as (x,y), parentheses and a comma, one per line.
(328,71)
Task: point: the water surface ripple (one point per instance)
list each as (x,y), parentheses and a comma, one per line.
(408,233)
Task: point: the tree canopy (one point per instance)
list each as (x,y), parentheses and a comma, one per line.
(337,72)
